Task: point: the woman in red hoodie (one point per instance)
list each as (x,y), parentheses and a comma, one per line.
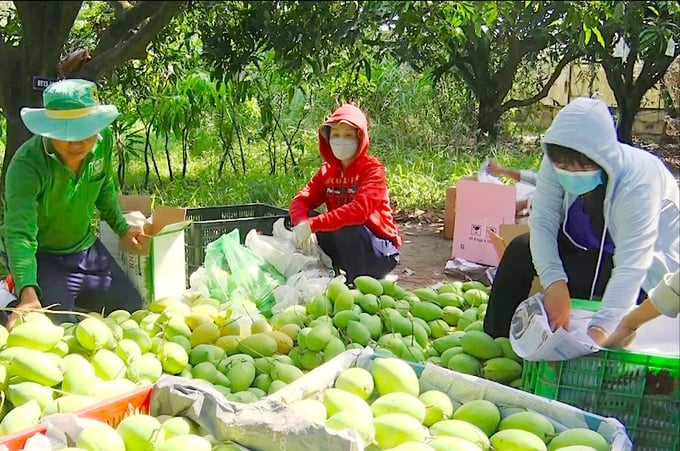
(358,231)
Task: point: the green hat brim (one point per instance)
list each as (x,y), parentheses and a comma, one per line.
(38,123)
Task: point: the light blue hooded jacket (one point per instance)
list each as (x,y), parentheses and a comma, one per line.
(640,209)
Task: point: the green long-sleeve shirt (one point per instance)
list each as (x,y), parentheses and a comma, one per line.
(49,208)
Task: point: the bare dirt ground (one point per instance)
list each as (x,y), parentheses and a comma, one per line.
(424,252)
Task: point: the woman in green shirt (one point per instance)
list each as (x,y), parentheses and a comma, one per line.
(54,182)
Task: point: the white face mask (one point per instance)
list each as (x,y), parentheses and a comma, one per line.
(344,148)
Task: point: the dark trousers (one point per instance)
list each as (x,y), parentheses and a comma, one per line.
(359,252)
(88,280)
(516,272)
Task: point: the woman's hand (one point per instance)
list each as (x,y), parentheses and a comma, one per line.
(598,334)
(624,334)
(132,235)
(496,169)
(557,303)
(622,337)
(305,240)
(27,301)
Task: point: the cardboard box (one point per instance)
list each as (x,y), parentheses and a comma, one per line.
(449,212)
(158,269)
(481,208)
(507,233)
(450,209)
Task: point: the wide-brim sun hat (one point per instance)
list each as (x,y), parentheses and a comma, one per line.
(71,112)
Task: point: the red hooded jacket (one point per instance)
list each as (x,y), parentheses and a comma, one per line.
(353,196)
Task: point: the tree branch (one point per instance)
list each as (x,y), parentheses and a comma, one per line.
(615,80)
(513,103)
(478,55)
(9,61)
(439,71)
(627,73)
(46,22)
(650,74)
(504,78)
(119,6)
(4,56)
(462,65)
(104,59)
(125,23)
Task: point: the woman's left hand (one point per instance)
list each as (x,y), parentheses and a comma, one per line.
(598,335)
(622,337)
(132,235)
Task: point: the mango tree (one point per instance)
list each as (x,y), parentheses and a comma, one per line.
(485,44)
(183,105)
(33,36)
(225,118)
(635,42)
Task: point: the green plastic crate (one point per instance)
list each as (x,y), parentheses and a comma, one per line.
(642,391)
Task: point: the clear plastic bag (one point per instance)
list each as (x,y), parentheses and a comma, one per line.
(231,266)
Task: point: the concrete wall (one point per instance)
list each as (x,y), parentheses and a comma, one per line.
(590,81)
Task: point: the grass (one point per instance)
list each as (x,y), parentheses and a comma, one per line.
(420,163)
(417,177)
(421,133)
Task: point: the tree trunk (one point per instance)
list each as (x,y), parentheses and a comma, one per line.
(627,98)
(488,118)
(147,166)
(21,94)
(240,144)
(167,155)
(185,150)
(148,152)
(17,134)
(119,147)
(624,126)
(629,90)
(45,28)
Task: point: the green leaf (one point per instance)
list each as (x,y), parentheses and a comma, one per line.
(599,37)
(619,10)
(588,33)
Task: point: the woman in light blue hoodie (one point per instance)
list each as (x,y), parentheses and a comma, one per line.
(604,225)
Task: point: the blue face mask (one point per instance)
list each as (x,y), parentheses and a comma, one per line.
(580,182)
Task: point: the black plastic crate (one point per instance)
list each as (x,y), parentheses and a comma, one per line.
(210,223)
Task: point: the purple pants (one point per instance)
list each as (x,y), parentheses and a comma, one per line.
(88,280)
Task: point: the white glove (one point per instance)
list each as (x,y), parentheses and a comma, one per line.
(305,240)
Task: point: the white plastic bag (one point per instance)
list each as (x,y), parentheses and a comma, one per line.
(279,250)
(299,262)
(484,176)
(198,285)
(136,218)
(310,282)
(285,296)
(6,296)
(280,231)
(275,250)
